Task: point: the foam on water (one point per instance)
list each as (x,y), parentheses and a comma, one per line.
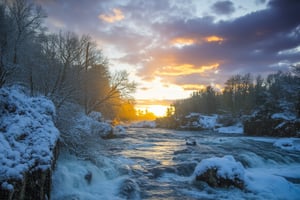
(69,180)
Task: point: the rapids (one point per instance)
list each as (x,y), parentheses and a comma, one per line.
(158,164)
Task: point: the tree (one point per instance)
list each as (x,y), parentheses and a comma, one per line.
(120,88)
(237,93)
(63,62)
(27,20)
(4,32)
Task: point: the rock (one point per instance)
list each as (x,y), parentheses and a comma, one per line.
(119,131)
(221,172)
(129,189)
(108,136)
(190,142)
(210,176)
(88,177)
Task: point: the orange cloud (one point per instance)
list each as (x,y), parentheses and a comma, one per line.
(218,87)
(193,87)
(180,42)
(214,38)
(111,18)
(186,69)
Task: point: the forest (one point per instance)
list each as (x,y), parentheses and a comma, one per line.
(264,106)
(243,94)
(63,66)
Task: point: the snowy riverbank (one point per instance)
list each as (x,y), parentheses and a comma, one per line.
(28,141)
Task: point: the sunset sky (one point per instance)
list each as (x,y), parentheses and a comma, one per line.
(172,47)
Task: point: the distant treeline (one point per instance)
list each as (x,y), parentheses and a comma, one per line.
(244,94)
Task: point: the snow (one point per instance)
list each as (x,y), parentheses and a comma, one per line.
(97,116)
(119,130)
(236,129)
(227,167)
(198,120)
(269,181)
(143,124)
(89,126)
(285,116)
(27,133)
(208,122)
(288,144)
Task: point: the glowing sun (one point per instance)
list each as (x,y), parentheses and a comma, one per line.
(158,110)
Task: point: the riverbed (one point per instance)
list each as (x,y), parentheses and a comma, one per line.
(159,164)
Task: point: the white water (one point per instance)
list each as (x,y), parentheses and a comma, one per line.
(157,164)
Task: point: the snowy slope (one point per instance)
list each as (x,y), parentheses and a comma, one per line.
(27,134)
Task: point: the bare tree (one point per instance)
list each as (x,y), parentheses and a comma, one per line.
(120,88)
(3,42)
(27,19)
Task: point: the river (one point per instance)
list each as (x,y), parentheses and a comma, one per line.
(158,164)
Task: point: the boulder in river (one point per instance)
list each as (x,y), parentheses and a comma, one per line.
(129,189)
(221,172)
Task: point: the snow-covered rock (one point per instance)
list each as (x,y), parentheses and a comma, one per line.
(190,142)
(237,129)
(143,124)
(288,144)
(119,130)
(197,121)
(208,122)
(129,189)
(28,136)
(220,172)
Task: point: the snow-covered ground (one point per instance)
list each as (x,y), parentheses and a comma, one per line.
(27,134)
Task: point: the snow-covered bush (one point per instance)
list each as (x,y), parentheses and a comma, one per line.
(27,134)
(96,116)
(78,129)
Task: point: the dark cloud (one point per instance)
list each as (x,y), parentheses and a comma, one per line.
(256,42)
(223,7)
(252,43)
